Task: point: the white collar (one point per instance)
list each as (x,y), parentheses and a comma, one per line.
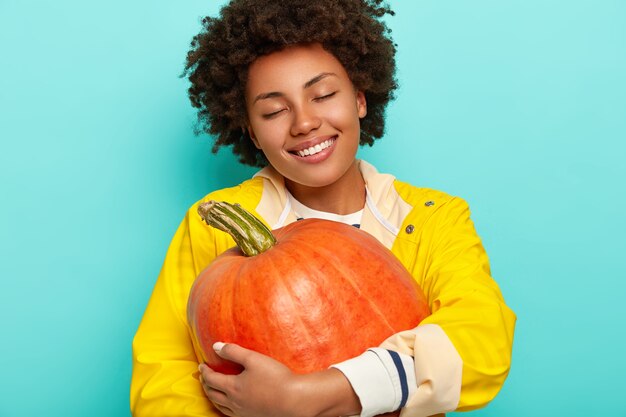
(304,212)
(377,188)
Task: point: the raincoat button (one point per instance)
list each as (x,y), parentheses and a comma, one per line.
(409,229)
(429,203)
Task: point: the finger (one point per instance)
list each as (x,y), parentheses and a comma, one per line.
(224,410)
(217,397)
(214,380)
(204,370)
(233,352)
(207,390)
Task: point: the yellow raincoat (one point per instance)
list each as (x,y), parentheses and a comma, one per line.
(462,351)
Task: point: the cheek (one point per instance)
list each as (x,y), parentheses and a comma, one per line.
(268,136)
(345,116)
(269,146)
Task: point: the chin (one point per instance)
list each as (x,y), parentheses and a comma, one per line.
(308,181)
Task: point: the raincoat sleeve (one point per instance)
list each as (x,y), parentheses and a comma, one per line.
(165,366)
(462,351)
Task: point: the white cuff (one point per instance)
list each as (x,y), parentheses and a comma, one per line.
(438,369)
(382,379)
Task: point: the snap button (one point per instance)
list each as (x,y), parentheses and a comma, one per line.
(429,203)
(409,229)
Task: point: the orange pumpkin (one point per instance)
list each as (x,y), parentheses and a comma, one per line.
(318,293)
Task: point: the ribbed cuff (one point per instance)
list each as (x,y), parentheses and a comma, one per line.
(382,379)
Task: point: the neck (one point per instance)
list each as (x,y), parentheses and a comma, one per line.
(344,196)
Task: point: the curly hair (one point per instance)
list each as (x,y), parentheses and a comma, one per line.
(217,63)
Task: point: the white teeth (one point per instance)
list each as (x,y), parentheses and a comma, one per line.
(317,148)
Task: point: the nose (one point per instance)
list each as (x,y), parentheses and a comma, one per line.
(304,120)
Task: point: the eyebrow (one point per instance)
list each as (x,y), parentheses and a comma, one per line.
(307,84)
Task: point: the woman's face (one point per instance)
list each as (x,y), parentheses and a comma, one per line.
(304,114)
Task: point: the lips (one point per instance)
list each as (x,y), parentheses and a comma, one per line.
(316,149)
(313,147)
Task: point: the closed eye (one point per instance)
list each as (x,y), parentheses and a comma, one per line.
(324,97)
(272,114)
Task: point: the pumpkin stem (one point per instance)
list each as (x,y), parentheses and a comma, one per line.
(250,234)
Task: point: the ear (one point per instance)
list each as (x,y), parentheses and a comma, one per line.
(252,136)
(361,104)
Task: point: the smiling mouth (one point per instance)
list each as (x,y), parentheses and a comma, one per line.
(315,149)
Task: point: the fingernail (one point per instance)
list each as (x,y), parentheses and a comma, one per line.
(217,346)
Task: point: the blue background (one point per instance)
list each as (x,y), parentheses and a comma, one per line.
(517,106)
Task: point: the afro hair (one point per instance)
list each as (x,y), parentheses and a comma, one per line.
(217,63)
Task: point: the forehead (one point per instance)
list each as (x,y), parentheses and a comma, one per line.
(292,67)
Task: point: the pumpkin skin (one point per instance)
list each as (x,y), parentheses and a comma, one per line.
(324,293)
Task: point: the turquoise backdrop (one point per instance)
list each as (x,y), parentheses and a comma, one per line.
(517,106)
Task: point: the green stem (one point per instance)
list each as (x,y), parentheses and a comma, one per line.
(250,234)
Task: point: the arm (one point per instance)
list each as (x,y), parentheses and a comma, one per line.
(165,379)
(462,352)
(165,375)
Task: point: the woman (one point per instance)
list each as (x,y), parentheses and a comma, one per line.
(295,88)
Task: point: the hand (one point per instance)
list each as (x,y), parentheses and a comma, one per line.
(268,388)
(264,388)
